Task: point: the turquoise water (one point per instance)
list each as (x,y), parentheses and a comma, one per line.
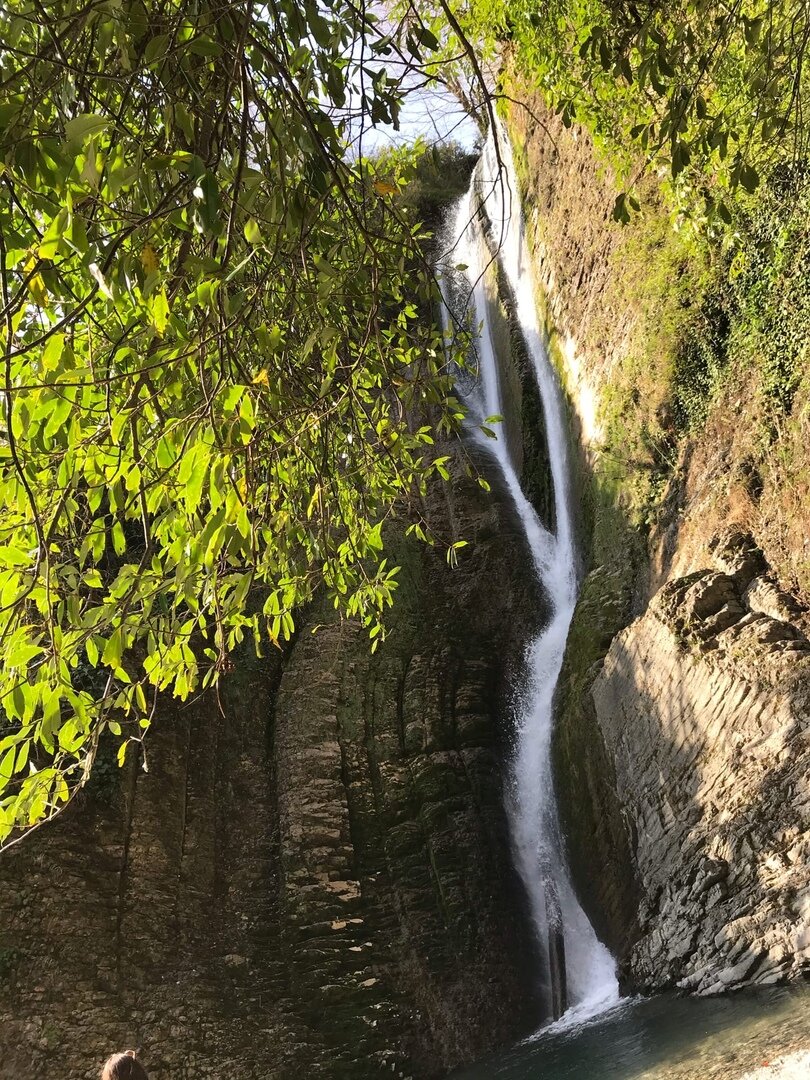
(676,1038)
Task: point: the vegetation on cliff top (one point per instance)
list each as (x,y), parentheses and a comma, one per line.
(700,110)
(713,91)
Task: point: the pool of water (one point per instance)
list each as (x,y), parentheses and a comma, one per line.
(668,1038)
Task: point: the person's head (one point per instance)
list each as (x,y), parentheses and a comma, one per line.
(124,1067)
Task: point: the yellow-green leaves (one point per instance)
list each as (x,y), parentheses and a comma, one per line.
(191,476)
(49,246)
(52,353)
(36,285)
(218,352)
(253,233)
(149,259)
(158,306)
(83,126)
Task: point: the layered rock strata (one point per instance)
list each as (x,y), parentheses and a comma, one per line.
(702,709)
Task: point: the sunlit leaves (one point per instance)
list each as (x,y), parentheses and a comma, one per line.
(220,347)
(83,126)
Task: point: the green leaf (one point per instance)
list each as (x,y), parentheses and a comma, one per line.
(192,474)
(50,243)
(119,539)
(113,649)
(59,412)
(427,38)
(209,205)
(92,651)
(749,178)
(52,353)
(186,125)
(117,427)
(158,306)
(231,398)
(753,28)
(83,126)
(620,212)
(156,49)
(7,766)
(252,232)
(13,556)
(205,47)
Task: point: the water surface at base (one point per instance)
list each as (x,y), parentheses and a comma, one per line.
(666,1038)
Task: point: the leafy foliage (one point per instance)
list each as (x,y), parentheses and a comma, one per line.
(715,92)
(213,353)
(769,273)
(431,176)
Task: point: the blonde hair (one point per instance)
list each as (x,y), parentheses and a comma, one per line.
(123,1067)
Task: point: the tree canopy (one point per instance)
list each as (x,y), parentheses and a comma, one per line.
(218,376)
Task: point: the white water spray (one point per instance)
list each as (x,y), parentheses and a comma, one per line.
(560,923)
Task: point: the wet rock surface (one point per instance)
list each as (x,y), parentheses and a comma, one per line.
(593,819)
(312,880)
(702,706)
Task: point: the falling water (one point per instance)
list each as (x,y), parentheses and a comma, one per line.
(580,971)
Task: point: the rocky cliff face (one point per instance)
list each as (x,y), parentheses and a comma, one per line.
(682,737)
(703,708)
(312,878)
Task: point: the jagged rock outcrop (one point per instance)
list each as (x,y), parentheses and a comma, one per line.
(312,880)
(702,709)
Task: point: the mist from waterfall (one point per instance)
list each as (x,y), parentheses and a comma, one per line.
(578,978)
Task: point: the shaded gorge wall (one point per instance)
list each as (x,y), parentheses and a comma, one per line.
(312,881)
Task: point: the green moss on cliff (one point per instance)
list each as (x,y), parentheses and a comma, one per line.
(693,340)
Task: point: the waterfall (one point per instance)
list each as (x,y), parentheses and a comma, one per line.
(579,978)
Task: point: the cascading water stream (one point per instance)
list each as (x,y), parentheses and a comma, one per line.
(581,971)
